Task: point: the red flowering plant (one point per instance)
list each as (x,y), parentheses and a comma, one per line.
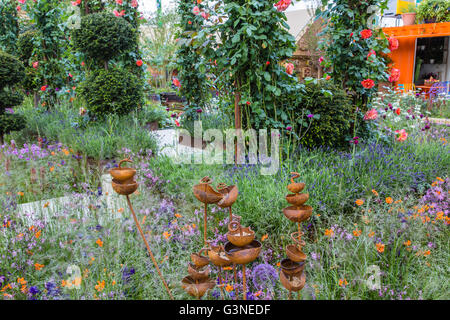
(252,60)
(355,48)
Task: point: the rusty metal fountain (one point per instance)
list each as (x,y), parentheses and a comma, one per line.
(198,281)
(291,275)
(123,183)
(241,248)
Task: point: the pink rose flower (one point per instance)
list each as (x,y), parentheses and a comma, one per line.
(35,64)
(368,83)
(371,115)
(282,5)
(196,10)
(290,68)
(395,75)
(402,135)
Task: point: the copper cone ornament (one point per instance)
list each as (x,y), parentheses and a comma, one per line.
(291,274)
(123,183)
(198,281)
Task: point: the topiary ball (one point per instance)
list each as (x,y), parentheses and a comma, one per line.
(12,70)
(103,36)
(10,99)
(335,109)
(113,91)
(25,45)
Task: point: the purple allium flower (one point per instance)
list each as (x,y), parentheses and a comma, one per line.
(310,115)
(263,275)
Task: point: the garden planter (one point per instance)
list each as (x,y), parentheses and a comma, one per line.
(409,19)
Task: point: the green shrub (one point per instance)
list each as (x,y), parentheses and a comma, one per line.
(437,10)
(335,109)
(103,36)
(11,122)
(25,45)
(10,99)
(12,70)
(113,91)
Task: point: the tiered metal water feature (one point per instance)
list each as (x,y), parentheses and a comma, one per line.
(241,247)
(198,281)
(291,275)
(123,183)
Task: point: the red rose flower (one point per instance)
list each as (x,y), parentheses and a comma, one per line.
(368,83)
(290,68)
(393,43)
(366,33)
(397,111)
(43,88)
(395,75)
(267,63)
(176,82)
(248,103)
(139,63)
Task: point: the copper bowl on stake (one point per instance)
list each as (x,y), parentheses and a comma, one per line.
(295,254)
(124,189)
(199,288)
(297,199)
(244,254)
(298,214)
(293,283)
(198,260)
(240,236)
(218,257)
(292,268)
(230,194)
(198,273)
(205,193)
(123,175)
(295,187)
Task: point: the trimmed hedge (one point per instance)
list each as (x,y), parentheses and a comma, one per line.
(12,70)
(334,107)
(103,36)
(112,91)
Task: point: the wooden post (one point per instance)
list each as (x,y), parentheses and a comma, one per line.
(237,120)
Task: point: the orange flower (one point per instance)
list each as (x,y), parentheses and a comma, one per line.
(264,237)
(166,235)
(229,288)
(120,210)
(343,282)
(227,268)
(99,242)
(20,193)
(375,193)
(389,200)
(371,234)
(380,247)
(407,243)
(38,266)
(37,234)
(356,233)
(440,215)
(100,286)
(65,151)
(178,215)
(46,204)
(359,202)
(51,169)
(21,281)
(427,253)
(329,232)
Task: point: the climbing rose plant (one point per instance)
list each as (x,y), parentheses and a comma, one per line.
(355,49)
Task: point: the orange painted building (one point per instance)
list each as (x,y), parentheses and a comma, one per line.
(418,54)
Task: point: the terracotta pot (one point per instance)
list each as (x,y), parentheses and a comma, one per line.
(409,19)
